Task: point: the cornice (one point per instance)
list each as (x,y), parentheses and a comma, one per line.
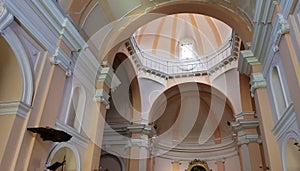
(6,18)
(102,96)
(257,80)
(284,123)
(246,61)
(242,124)
(14,108)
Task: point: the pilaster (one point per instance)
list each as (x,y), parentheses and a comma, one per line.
(105,81)
(264,115)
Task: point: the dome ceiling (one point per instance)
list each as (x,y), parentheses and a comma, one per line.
(165,36)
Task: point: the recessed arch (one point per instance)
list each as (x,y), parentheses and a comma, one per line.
(178,102)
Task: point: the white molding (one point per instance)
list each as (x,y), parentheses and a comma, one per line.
(76,137)
(14,108)
(241,115)
(257,80)
(108,76)
(23,60)
(62,24)
(283,124)
(242,124)
(246,61)
(249,138)
(102,96)
(6,18)
(282,27)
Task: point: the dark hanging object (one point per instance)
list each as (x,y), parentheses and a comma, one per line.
(56,165)
(50,134)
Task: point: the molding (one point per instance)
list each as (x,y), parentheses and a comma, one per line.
(27,76)
(246,61)
(282,27)
(257,80)
(102,96)
(242,124)
(139,142)
(288,7)
(241,115)
(285,122)
(56,147)
(61,59)
(139,128)
(6,18)
(14,108)
(107,75)
(62,24)
(77,137)
(249,138)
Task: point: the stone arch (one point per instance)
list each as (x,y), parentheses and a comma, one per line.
(128,24)
(129,89)
(207,96)
(26,71)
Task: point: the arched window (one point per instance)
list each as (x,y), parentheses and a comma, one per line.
(278,93)
(186,50)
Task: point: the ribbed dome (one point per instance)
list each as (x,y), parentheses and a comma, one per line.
(169,36)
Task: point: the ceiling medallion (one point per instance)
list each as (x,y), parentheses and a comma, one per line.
(198,165)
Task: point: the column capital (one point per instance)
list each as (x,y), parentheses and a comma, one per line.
(5,17)
(244,115)
(283,27)
(257,80)
(243,124)
(248,138)
(139,142)
(246,61)
(140,128)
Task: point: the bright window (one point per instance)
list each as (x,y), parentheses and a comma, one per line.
(186,50)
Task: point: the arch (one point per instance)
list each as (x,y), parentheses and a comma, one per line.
(115,156)
(290,135)
(127,25)
(59,146)
(127,74)
(167,110)
(26,71)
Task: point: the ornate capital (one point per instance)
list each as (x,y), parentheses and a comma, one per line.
(139,142)
(283,27)
(249,138)
(102,97)
(5,17)
(257,80)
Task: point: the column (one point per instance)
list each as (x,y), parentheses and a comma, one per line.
(247,128)
(220,165)
(176,165)
(95,128)
(264,115)
(139,148)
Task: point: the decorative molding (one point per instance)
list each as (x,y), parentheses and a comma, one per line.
(27,76)
(139,128)
(62,24)
(77,137)
(102,96)
(246,61)
(257,80)
(14,108)
(106,75)
(249,138)
(282,28)
(6,18)
(241,115)
(61,59)
(139,142)
(242,124)
(284,123)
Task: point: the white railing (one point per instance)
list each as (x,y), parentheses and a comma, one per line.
(174,67)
